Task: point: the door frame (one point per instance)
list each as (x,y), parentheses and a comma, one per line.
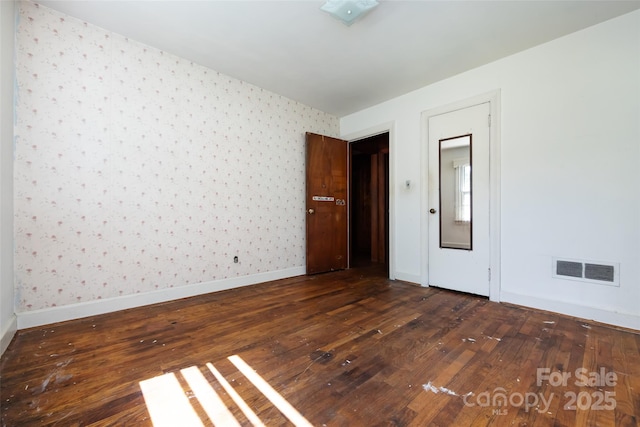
(388,127)
(493,98)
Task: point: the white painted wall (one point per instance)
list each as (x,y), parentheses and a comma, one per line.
(570,149)
(7,316)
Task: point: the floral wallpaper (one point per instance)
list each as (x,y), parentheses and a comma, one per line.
(136,170)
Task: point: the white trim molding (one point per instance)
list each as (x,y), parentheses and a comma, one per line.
(8,333)
(30,319)
(625,320)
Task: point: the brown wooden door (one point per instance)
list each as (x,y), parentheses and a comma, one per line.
(327,198)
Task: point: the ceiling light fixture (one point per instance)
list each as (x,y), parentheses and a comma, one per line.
(348,10)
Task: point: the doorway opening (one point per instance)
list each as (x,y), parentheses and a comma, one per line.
(369,204)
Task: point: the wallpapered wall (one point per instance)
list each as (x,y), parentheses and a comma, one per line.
(137,170)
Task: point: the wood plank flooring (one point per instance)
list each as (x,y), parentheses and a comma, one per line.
(349,348)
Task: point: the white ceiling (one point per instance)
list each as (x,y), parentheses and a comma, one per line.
(294,49)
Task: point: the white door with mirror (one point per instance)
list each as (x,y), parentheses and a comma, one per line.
(458,201)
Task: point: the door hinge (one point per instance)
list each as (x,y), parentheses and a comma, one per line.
(489,269)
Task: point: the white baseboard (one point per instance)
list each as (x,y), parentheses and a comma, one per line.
(29,319)
(590,313)
(7,333)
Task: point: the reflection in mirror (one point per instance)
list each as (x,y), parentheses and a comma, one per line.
(455,193)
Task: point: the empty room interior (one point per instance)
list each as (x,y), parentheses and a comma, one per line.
(340,213)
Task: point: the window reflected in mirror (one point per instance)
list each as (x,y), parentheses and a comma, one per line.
(456,208)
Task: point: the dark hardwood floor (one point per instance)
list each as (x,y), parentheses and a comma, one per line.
(349,348)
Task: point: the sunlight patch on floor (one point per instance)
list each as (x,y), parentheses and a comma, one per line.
(280,402)
(169,403)
(208,398)
(246,410)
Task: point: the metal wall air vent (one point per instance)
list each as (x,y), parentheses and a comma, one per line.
(588,271)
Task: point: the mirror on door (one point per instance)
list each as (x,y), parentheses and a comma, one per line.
(455,193)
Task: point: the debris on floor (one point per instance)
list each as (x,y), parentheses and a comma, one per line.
(430,387)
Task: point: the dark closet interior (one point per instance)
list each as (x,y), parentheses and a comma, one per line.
(369,223)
